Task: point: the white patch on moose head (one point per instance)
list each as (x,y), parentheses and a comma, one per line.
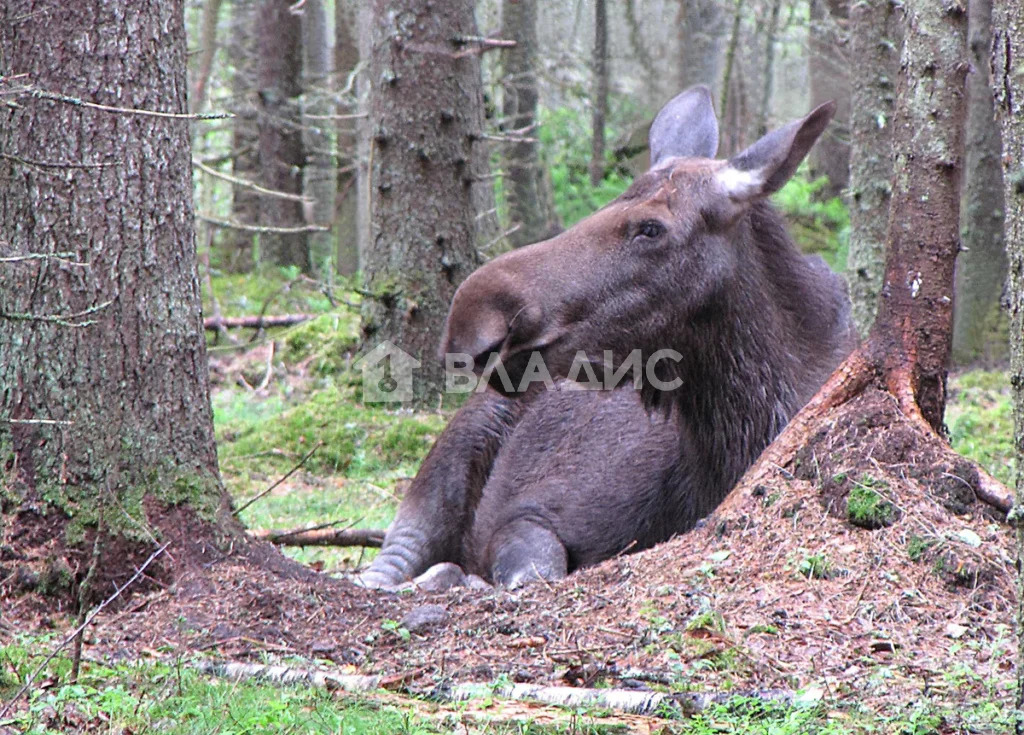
(739,185)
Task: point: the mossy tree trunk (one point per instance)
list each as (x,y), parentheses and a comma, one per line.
(875,41)
(104,393)
(981,266)
(426,121)
(1008,85)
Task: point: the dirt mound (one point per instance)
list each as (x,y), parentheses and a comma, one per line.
(864,568)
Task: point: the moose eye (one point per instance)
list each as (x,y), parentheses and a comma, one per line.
(650,229)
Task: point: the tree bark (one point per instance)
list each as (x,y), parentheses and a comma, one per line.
(426,117)
(346,63)
(600,100)
(1008,86)
(319,173)
(830,80)
(531,214)
(981,266)
(104,392)
(281,154)
(875,41)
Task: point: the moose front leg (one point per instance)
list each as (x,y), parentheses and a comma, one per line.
(438,507)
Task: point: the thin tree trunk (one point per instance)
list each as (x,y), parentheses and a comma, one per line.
(207,50)
(981,266)
(1008,85)
(281,153)
(426,113)
(701,26)
(239,246)
(346,62)
(320,173)
(829,73)
(769,69)
(731,134)
(600,101)
(875,41)
(530,213)
(105,397)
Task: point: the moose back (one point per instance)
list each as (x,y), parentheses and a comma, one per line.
(691,262)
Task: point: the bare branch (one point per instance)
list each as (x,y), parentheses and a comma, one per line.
(259,228)
(288,474)
(246,184)
(63,319)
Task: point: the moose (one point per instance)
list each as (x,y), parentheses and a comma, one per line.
(692,259)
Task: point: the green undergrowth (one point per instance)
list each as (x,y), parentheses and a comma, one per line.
(980,420)
(173,699)
(168,696)
(817,225)
(269,290)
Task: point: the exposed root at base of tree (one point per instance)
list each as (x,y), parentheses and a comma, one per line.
(857,373)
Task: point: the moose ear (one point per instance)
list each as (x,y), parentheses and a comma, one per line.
(686,128)
(766,166)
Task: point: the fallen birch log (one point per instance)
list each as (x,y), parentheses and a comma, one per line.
(256,322)
(370,537)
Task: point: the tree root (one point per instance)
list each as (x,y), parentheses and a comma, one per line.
(859,371)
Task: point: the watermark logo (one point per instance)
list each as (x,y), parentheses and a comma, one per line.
(388,373)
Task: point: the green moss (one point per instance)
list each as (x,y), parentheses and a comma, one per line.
(324,344)
(917,547)
(867,509)
(357,441)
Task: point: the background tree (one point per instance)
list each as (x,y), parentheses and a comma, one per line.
(238,246)
(1008,85)
(875,41)
(320,178)
(104,385)
(426,121)
(281,153)
(829,75)
(346,66)
(599,101)
(981,266)
(531,214)
(701,26)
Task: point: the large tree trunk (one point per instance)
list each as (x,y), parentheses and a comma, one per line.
(346,62)
(599,112)
(281,153)
(981,267)
(875,41)
(830,80)
(239,246)
(1008,85)
(426,114)
(530,211)
(319,174)
(105,412)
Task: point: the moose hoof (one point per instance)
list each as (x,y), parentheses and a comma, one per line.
(441,577)
(372,580)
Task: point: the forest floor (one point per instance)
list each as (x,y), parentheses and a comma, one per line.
(864,579)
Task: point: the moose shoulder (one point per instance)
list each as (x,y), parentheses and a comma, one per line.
(691,261)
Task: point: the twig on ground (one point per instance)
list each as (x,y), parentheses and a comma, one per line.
(256,322)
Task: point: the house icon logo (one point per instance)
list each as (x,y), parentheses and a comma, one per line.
(387,374)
